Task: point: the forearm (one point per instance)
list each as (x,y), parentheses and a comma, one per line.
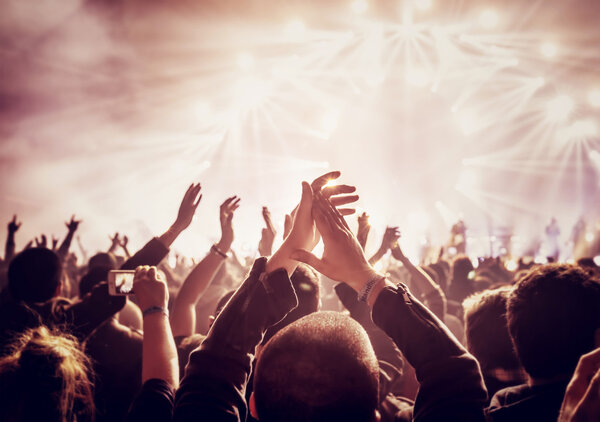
(63,249)
(432,294)
(159,356)
(183,319)
(378,255)
(9,250)
(170,235)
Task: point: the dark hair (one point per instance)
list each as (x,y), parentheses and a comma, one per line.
(486,329)
(319,368)
(306,285)
(553,313)
(461,267)
(93,277)
(104,260)
(46,377)
(34,275)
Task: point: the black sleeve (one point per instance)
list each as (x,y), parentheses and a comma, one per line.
(153,403)
(151,254)
(451,385)
(214,384)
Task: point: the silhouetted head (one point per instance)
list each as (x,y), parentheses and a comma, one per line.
(34,275)
(307,287)
(319,368)
(103,260)
(93,277)
(461,267)
(553,316)
(486,330)
(45,377)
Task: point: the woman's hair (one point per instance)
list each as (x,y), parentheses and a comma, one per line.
(46,376)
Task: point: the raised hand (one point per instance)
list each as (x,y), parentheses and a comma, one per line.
(265,245)
(114,242)
(226,212)
(343,258)
(188,206)
(150,288)
(581,401)
(363,229)
(54,243)
(73,224)
(390,238)
(287,225)
(13,226)
(123,241)
(41,242)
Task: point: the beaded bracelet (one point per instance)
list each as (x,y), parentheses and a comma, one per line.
(154,310)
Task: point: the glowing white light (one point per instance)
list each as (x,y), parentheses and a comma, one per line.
(467,122)
(330,182)
(452,251)
(594,98)
(489,19)
(329,120)
(549,50)
(540,259)
(359,6)
(423,4)
(295,28)
(511,265)
(245,61)
(417,77)
(584,129)
(250,92)
(589,237)
(597,260)
(378,265)
(560,108)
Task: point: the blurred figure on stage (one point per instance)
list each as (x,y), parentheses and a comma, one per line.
(578,239)
(552,234)
(458,237)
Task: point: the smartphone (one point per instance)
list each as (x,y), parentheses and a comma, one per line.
(120,282)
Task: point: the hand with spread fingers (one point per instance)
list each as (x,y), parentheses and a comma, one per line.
(343,258)
(13,225)
(188,206)
(226,212)
(265,245)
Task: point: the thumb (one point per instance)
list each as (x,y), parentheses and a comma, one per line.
(308,258)
(306,200)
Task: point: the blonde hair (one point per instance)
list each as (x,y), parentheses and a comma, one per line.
(46,375)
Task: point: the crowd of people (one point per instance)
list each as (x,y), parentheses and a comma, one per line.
(293,336)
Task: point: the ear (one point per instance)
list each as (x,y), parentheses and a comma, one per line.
(252,405)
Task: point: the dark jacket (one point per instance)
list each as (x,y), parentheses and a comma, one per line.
(214,384)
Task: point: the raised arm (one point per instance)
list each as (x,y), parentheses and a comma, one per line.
(13,227)
(362,234)
(157,248)
(183,319)
(160,368)
(451,385)
(433,296)
(72,226)
(265,246)
(390,237)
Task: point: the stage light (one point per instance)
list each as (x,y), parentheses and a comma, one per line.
(548,50)
(359,6)
(597,260)
(295,28)
(540,260)
(589,237)
(594,98)
(560,108)
(511,265)
(330,182)
(423,5)
(245,61)
(489,19)
(584,129)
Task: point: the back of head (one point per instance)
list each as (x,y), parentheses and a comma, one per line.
(103,260)
(553,313)
(461,267)
(93,277)
(45,378)
(486,330)
(319,368)
(34,275)
(306,285)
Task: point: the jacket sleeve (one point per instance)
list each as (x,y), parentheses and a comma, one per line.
(451,385)
(153,403)
(215,379)
(151,254)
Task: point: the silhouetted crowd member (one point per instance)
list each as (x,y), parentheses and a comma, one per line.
(387,346)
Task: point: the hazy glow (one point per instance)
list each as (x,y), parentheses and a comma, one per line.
(359,6)
(423,4)
(245,61)
(549,50)
(594,98)
(329,121)
(295,28)
(560,108)
(489,19)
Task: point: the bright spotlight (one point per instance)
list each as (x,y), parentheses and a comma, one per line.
(489,19)
(245,61)
(548,50)
(511,265)
(295,28)
(359,6)
(423,5)
(597,260)
(589,237)
(594,98)
(560,108)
